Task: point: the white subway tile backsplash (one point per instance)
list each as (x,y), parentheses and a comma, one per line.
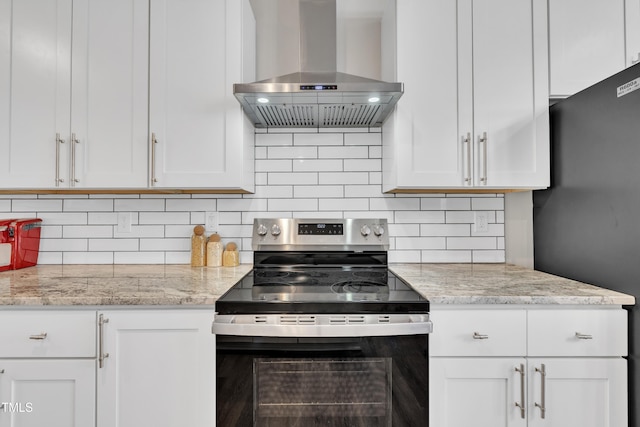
(138,258)
(181,205)
(136,205)
(113,245)
(343,204)
(292,152)
(164,218)
(87,231)
(363,139)
(446,256)
(90,258)
(318,139)
(273,139)
(321,165)
(283,165)
(343,178)
(487,203)
(471,243)
(302,178)
(365,165)
(334,173)
(37,205)
(320,191)
(89,205)
(348,152)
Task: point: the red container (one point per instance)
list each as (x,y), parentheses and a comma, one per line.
(19,243)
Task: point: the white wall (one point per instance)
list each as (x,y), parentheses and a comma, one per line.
(304,174)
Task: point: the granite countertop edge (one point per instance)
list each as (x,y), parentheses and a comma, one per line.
(186,286)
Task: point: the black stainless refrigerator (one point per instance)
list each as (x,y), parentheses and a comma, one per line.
(586,226)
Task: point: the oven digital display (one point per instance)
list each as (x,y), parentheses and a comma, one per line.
(321,229)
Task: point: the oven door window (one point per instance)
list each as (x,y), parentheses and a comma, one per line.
(324,390)
(329,382)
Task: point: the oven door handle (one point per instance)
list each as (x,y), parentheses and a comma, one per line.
(322,325)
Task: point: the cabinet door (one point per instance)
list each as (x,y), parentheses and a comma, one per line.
(510,94)
(38,393)
(110,93)
(35,84)
(200,138)
(586,50)
(160,369)
(423,143)
(578,392)
(479,392)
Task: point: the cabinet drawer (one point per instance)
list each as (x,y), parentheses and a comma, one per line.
(44,333)
(577,332)
(478,333)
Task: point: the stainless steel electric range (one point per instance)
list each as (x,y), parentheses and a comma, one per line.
(320,332)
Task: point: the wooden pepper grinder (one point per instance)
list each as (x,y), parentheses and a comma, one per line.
(214,251)
(198,247)
(230,256)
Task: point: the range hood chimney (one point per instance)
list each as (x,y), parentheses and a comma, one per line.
(318,96)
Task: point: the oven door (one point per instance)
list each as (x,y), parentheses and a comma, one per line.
(330,378)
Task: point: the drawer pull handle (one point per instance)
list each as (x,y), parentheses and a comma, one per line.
(479,336)
(39,336)
(583,336)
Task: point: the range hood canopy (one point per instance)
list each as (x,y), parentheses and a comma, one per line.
(318,95)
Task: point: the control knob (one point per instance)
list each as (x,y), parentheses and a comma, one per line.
(262,230)
(275,230)
(378,230)
(365,230)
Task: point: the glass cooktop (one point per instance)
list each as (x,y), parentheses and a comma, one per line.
(321,290)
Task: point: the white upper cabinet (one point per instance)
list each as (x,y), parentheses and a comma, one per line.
(35,91)
(125,94)
(199,136)
(474,114)
(590,41)
(74,93)
(109,93)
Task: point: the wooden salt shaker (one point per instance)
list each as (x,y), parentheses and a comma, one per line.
(230,256)
(198,247)
(214,251)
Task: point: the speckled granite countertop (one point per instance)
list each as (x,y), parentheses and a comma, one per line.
(170,285)
(501,284)
(74,285)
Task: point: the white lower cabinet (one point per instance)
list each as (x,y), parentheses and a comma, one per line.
(36,393)
(482,373)
(47,368)
(158,368)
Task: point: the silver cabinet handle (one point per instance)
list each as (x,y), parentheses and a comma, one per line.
(38,337)
(521,404)
(542,405)
(584,336)
(467,142)
(58,142)
(74,141)
(154,142)
(102,355)
(484,141)
(479,336)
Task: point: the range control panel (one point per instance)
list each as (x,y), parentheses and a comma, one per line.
(322,234)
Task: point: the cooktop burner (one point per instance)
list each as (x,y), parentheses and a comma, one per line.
(326,290)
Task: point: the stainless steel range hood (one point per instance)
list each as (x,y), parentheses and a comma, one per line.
(318,95)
